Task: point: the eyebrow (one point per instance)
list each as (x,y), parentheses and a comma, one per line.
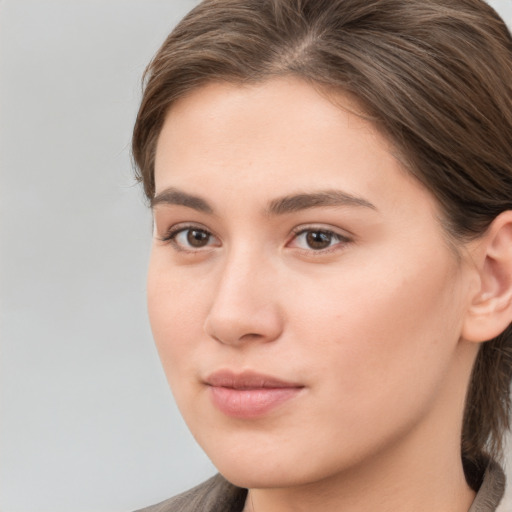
(175,196)
(297,202)
(280,206)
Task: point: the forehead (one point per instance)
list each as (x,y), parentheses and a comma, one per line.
(310,102)
(280,130)
(283,118)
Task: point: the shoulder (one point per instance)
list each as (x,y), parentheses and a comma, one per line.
(490,490)
(214,495)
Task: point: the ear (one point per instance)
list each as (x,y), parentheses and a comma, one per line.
(490,309)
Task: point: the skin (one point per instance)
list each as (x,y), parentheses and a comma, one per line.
(369,324)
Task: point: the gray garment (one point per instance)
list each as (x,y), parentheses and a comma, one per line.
(491,491)
(218,495)
(214,495)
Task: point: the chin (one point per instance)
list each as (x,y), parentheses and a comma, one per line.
(254,469)
(262,477)
(250,467)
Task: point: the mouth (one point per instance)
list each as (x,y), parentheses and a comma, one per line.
(248,394)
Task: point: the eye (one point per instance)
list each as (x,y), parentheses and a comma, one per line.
(190,238)
(316,239)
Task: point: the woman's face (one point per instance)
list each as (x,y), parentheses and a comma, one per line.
(305,304)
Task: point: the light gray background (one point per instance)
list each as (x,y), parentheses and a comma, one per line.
(87,421)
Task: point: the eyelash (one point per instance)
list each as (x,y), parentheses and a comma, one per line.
(170,237)
(342,240)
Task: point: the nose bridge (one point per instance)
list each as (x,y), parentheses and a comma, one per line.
(244,306)
(244,272)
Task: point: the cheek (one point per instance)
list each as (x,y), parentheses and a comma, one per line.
(384,334)
(176,313)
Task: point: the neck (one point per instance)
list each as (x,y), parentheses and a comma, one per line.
(422,484)
(421,471)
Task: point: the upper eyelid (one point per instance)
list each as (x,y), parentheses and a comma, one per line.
(340,233)
(176,228)
(172,233)
(340,237)
(183,226)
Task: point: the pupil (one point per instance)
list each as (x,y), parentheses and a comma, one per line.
(197,238)
(318,240)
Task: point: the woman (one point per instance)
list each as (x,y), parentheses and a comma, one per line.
(330,286)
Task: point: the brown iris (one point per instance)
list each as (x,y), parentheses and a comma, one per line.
(318,239)
(197,238)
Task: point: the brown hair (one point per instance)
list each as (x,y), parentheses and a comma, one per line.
(434,75)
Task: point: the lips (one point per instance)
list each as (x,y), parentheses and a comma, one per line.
(248,394)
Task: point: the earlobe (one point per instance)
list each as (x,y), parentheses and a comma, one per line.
(490,309)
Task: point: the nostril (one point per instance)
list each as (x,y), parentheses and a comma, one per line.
(230,338)
(250,336)
(243,321)
(254,328)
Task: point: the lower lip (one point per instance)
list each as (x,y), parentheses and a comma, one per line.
(250,403)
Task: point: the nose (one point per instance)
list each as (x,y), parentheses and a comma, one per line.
(245,306)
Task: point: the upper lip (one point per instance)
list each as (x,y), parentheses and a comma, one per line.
(247,379)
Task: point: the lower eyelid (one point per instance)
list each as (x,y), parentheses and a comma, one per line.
(169,237)
(176,231)
(338,243)
(334,234)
